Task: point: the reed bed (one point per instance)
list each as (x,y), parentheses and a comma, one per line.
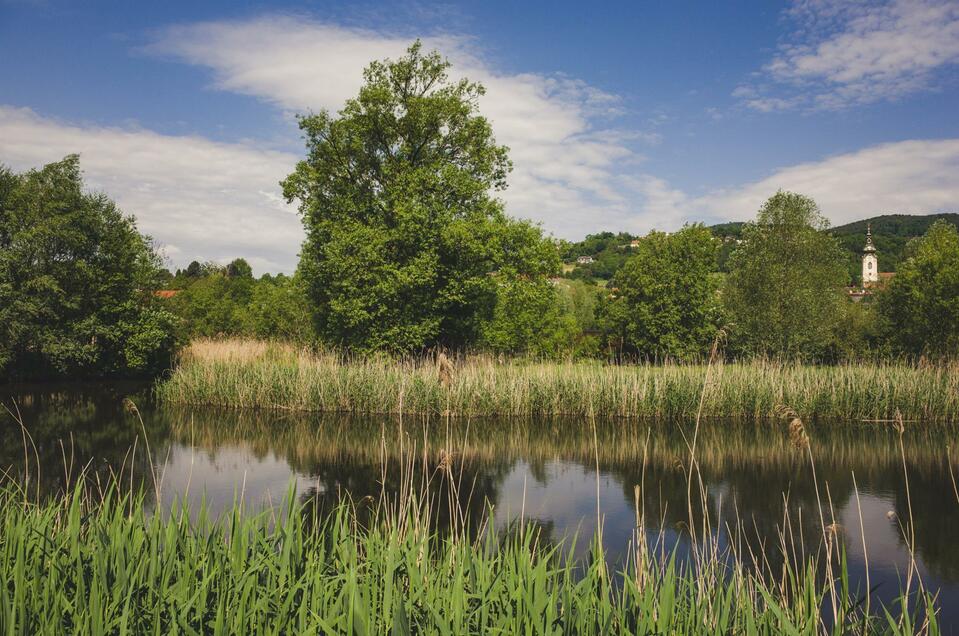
(306,439)
(252,374)
(102,564)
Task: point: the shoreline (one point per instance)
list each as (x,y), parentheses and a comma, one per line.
(249,374)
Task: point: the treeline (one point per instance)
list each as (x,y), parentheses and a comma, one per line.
(216,300)
(409,250)
(891,234)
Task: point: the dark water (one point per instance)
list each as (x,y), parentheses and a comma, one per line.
(756,482)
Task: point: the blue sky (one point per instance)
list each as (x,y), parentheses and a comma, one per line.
(624,116)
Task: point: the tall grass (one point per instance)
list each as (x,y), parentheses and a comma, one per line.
(251,374)
(99,565)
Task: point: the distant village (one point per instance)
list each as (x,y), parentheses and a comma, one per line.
(871,279)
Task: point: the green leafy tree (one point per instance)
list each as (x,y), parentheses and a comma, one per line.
(193,270)
(213,304)
(405,244)
(525,317)
(921,305)
(77,281)
(784,290)
(859,333)
(278,309)
(667,295)
(239,268)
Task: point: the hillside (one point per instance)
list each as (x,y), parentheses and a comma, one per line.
(890,232)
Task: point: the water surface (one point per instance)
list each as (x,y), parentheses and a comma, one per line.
(553,473)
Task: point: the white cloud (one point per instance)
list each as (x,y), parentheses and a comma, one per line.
(908,177)
(575,173)
(847,52)
(567,166)
(199,199)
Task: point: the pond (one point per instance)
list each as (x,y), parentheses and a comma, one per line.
(756,484)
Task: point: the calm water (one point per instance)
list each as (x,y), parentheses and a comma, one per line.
(545,472)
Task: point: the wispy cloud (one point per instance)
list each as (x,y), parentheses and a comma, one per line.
(197,198)
(569,160)
(908,177)
(841,53)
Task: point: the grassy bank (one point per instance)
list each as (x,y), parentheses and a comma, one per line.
(251,374)
(104,565)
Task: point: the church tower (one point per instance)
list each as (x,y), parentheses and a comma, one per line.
(870,264)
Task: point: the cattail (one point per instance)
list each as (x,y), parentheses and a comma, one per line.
(446,461)
(797,434)
(444,370)
(797,430)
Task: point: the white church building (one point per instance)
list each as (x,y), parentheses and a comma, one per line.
(872,278)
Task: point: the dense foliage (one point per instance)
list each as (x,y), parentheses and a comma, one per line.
(213,300)
(781,294)
(406,248)
(784,291)
(77,281)
(609,252)
(665,302)
(921,306)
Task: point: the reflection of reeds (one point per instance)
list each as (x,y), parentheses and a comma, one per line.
(304,439)
(253,374)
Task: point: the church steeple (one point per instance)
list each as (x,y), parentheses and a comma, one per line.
(870,263)
(869,246)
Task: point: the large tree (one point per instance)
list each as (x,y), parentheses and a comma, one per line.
(77,281)
(667,295)
(405,243)
(921,306)
(783,293)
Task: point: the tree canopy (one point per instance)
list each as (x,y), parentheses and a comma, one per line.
(77,281)
(921,305)
(783,293)
(667,295)
(228,301)
(406,245)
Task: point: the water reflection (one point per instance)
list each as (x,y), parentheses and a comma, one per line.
(756,484)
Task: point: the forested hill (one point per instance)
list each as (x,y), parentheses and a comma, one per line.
(890,233)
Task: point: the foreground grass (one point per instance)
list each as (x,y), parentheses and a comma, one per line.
(105,565)
(251,374)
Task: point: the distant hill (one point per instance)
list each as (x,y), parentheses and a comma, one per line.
(609,252)
(733,229)
(890,233)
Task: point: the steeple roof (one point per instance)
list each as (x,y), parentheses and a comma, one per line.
(869,246)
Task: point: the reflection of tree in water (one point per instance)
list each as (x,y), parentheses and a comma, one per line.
(77,427)
(762,499)
(464,495)
(747,467)
(751,471)
(367,461)
(936,533)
